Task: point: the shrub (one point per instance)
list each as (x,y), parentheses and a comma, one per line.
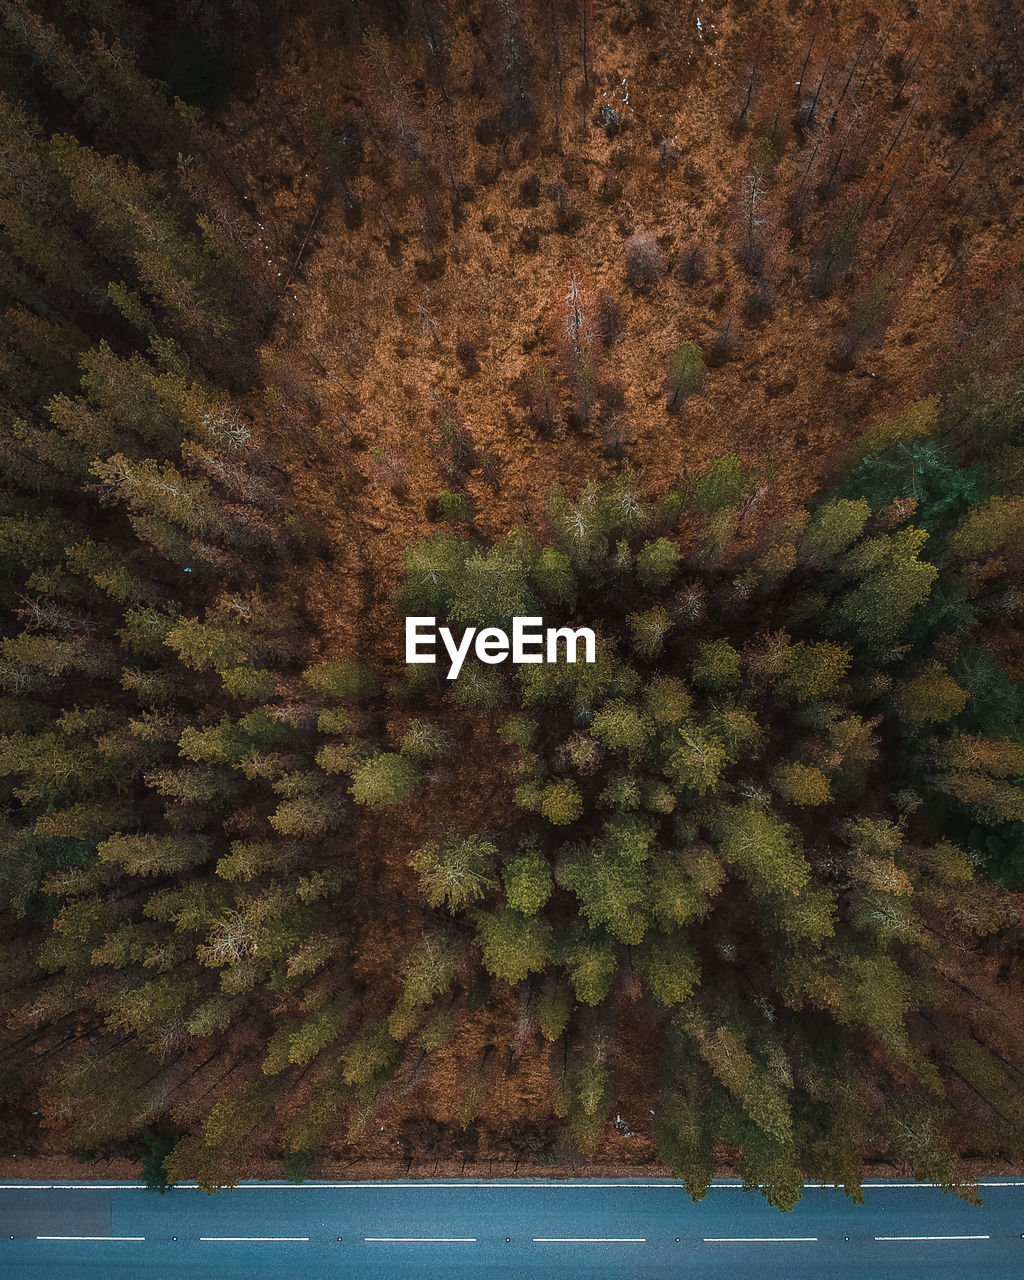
(466,354)
(693,263)
(611,318)
(685,373)
(529,189)
(645,262)
(453,506)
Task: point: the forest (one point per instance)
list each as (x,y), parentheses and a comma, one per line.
(699,325)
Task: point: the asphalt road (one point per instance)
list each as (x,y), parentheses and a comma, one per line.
(630,1230)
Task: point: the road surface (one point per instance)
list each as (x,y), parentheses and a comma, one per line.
(630,1230)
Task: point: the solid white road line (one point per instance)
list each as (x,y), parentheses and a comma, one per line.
(419,1239)
(105,1239)
(933,1237)
(254,1239)
(760,1239)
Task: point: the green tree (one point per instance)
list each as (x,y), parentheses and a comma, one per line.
(342,679)
(561,802)
(456,871)
(514,945)
(716,666)
(591,961)
(528,884)
(931,695)
(385,779)
(622,727)
(833,528)
(656,563)
(668,967)
(802,784)
(649,630)
(554,1008)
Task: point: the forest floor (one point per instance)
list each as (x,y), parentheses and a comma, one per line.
(779,403)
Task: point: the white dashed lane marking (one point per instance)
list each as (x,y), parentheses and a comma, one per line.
(933,1237)
(419,1239)
(589,1239)
(760,1239)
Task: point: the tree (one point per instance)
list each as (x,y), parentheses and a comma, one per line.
(717,666)
(668,699)
(430,968)
(561,802)
(424,740)
(514,945)
(527,879)
(649,630)
(186,272)
(454,506)
(763,849)
(802,784)
(695,758)
(576,330)
(303,815)
(385,779)
(992,526)
(591,961)
(814,670)
(342,679)
(622,727)
(455,871)
(554,1008)
(756,221)
(983,774)
(656,563)
(153,855)
(870,317)
(371,1057)
(832,528)
(887,583)
(611,893)
(930,696)
(668,967)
